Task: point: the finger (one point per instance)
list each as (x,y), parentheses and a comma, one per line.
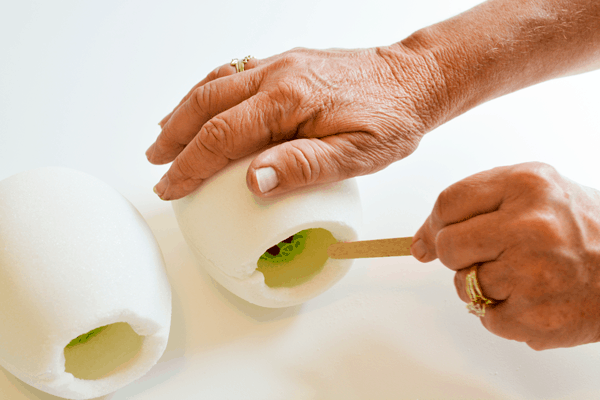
(219,72)
(543,344)
(477,194)
(304,162)
(501,321)
(516,319)
(230,135)
(205,102)
(496,281)
(476,240)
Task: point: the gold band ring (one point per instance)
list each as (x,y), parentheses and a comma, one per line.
(478,300)
(239,64)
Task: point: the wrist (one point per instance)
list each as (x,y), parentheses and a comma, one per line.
(419,82)
(471,61)
(452,59)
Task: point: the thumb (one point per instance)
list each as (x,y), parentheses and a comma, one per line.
(423,245)
(304,162)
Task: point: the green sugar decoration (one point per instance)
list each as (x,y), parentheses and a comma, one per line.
(287,251)
(86,336)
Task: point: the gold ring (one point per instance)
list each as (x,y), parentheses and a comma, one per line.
(478,300)
(239,64)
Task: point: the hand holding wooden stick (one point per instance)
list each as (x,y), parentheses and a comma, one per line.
(371,248)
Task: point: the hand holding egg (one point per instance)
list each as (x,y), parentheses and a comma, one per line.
(339,114)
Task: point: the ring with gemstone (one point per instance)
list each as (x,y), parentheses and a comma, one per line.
(478,300)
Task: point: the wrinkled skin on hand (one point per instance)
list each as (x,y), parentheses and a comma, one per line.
(535,237)
(334,114)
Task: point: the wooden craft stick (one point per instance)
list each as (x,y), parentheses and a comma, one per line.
(371,248)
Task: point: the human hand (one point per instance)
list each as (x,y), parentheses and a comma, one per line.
(535,238)
(334,114)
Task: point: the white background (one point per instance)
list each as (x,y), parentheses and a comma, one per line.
(84,84)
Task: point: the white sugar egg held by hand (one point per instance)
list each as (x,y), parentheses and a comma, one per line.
(85,302)
(229,229)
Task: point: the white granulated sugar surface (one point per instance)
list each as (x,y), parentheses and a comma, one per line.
(76,256)
(228,228)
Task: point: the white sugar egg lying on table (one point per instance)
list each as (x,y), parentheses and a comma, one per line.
(85,302)
(270,252)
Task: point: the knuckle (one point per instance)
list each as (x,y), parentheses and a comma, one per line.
(541,224)
(220,72)
(304,161)
(541,229)
(299,49)
(533,176)
(294,55)
(284,92)
(199,99)
(183,168)
(276,110)
(443,204)
(289,59)
(361,155)
(214,137)
(215,73)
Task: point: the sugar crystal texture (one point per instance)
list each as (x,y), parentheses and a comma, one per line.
(75,255)
(228,228)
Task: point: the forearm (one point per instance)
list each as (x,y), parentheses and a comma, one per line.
(502,46)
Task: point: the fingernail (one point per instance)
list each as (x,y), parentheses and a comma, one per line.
(267,179)
(418,249)
(156,191)
(161,187)
(150,151)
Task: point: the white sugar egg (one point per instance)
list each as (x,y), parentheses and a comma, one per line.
(85,302)
(229,229)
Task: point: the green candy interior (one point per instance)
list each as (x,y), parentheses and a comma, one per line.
(102,351)
(298,261)
(85,337)
(287,251)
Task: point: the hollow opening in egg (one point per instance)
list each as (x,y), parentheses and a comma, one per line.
(102,351)
(297,259)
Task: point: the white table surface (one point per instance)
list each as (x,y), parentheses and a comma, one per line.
(83,85)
